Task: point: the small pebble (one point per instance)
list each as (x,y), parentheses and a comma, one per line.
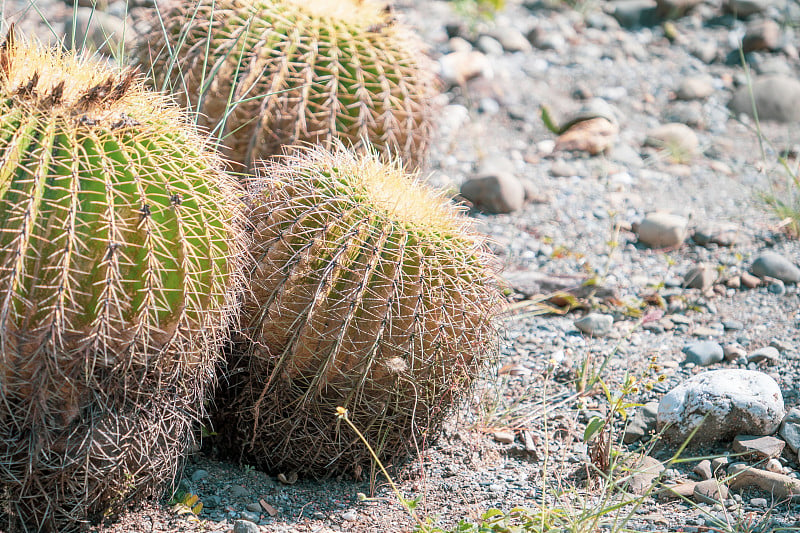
(758,502)
(199,475)
(703,353)
(245,526)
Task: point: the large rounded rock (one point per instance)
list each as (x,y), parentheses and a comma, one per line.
(498,193)
(662,230)
(776,98)
(723,404)
(770,264)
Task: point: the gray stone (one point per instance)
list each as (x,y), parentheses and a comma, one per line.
(678,139)
(96,30)
(504,437)
(662,230)
(762,35)
(459,67)
(489,45)
(721,234)
(199,475)
(689,113)
(703,353)
(211,502)
(546,39)
(732,325)
(675,8)
(723,404)
(790,429)
(695,88)
(719,464)
(244,526)
(770,264)
(776,287)
(745,8)
(253,507)
(679,491)
(774,465)
(249,516)
(706,50)
(701,277)
(643,472)
(776,98)
(759,502)
(755,447)
(703,469)
(780,486)
(710,491)
(498,193)
(238,491)
(766,354)
(633,13)
(642,423)
(511,39)
(595,324)
(350,516)
(750,281)
(562,169)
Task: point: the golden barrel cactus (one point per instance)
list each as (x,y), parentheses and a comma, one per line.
(369,292)
(267,73)
(119,250)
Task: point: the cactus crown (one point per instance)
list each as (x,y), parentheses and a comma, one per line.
(47,80)
(375,185)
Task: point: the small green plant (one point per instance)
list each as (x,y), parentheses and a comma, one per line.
(475,10)
(516,520)
(186,503)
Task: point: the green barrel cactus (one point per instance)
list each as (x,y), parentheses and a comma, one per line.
(368,292)
(267,73)
(119,256)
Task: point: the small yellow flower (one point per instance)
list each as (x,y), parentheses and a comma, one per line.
(341,412)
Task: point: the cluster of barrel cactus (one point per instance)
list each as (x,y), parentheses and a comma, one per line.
(130,255)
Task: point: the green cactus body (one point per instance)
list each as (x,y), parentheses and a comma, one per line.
(266,73)
(118,258)
(368,292)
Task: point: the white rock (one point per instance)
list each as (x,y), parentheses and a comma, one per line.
(731,401)
(790,429)
(460,67)
(662,230)
(498,193)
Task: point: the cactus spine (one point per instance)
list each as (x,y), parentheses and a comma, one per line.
(118,259)
(296,71)
(370,293)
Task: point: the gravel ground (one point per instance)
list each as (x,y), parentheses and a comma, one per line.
(580,222)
